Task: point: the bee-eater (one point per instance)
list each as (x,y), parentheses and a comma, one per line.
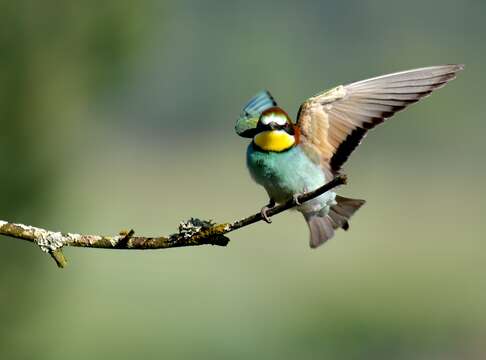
(288,159)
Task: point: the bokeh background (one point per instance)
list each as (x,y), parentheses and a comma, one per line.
(120,115)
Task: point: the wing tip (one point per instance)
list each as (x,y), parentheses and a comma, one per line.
(458,67)
(452,68)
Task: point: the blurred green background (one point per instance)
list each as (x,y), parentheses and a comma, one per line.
(120,114)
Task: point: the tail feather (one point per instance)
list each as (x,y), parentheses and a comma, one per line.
(346,206)
(322,227)
(338,220)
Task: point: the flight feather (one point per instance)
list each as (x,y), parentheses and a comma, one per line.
(333,123)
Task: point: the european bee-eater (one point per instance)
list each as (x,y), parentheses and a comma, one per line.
(288,159)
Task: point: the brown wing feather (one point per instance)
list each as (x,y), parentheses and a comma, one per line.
(332,124)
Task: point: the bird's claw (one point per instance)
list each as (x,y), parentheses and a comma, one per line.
(263,212)
(296,197)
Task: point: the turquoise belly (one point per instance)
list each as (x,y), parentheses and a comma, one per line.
(284,174)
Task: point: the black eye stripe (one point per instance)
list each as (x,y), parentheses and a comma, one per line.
(288,128)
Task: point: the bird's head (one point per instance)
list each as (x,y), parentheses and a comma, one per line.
(274,131)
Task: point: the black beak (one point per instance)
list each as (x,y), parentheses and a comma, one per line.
(269,127)
(274,126)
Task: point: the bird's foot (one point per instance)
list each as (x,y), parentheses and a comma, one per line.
(264,210)
(296,197)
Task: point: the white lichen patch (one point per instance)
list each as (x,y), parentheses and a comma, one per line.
(31,230)
(49,240)
(189,228)
(70,238)
(114,240)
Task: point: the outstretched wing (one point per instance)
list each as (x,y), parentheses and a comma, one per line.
(333,123)
(247,122)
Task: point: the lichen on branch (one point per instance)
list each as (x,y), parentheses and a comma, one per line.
(192,232)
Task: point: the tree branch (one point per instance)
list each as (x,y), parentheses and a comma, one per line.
(191,233)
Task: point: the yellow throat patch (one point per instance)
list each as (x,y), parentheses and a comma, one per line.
(274,140)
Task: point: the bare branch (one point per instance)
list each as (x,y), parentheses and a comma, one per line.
(193,232)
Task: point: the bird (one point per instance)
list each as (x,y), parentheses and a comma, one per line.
(289,159)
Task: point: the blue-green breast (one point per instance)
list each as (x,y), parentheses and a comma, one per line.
(286,173)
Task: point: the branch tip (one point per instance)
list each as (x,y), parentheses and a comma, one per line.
(58,257)
(343,179)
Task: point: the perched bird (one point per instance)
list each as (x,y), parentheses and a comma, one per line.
(288,159)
